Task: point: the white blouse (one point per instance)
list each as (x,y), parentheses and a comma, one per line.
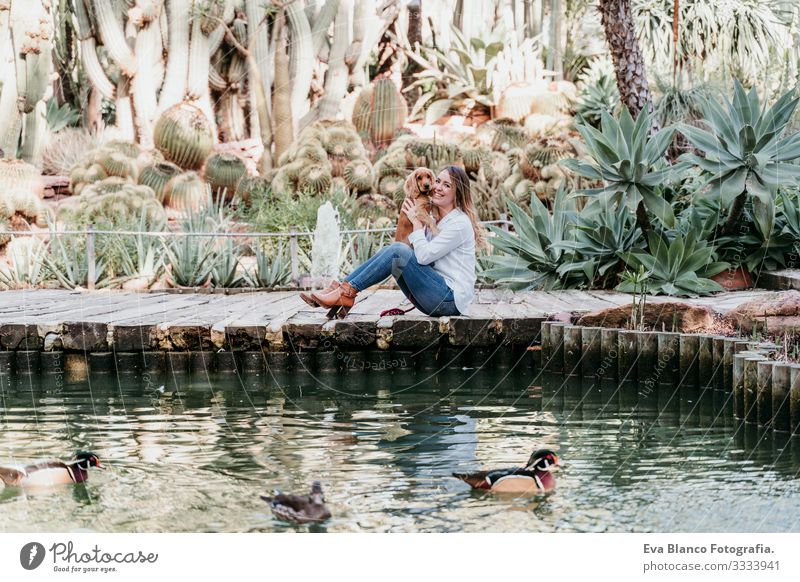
(452,253)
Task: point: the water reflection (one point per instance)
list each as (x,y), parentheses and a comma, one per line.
(192,453)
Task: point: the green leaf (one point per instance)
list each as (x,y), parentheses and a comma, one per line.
(437,110)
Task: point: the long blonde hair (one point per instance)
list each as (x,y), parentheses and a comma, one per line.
(464,202)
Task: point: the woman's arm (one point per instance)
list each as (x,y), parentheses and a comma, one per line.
(428,251)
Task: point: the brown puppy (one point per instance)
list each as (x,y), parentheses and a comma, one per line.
(418,187)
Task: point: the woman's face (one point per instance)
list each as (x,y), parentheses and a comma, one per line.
(444,191)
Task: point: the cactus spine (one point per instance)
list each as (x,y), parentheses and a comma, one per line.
(187,192)
(157,176)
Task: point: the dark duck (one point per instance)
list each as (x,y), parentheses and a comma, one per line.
(53,472)
(309,508)
(535,477)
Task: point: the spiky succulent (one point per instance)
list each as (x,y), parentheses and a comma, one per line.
(157,176)
(65,149)
(187,192)
(744,152)
(358,175)
(223,172)
(184,135)
(629,161)
(315,179)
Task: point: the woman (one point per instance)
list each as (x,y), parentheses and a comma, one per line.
(437,273)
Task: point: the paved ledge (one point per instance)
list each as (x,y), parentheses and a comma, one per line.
(51,320)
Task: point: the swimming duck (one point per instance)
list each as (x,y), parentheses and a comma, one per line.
(300,508)
(52,472)
(535,477)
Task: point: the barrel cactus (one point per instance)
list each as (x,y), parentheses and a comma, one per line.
(19,175)
(315,179)
(187,192)
(184,135)
(358,175)
(115,201)
(157,176)
(379,112)
(223,172)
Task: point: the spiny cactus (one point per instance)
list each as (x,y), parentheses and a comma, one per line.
(496,167)
(119,159)
(114,201)
(315,179)
(223,172)
(392,187)
(65,149)
(20,207)
(187,192)
(184,135)
(358,175)
(379,112)
(157,176)
(19,175)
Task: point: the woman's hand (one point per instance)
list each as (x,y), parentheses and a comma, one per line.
(410,210)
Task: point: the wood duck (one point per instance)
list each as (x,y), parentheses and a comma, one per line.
(53,472)
(535,477)
(300,508)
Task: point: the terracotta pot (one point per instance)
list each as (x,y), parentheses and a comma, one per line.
(734,280)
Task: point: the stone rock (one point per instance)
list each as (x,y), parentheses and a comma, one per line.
(777,312)
(669,316)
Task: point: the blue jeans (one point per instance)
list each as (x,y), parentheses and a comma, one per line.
(423,286)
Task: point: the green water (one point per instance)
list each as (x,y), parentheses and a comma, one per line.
(192,454)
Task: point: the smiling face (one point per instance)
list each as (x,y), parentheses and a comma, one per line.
(444,191)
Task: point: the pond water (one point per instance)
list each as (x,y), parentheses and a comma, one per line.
(192,454)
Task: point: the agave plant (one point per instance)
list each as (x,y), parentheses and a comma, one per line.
(596,98)
(603,234)
(744,153)
(68,262)
(531,256)
(630,163)
(360,248)
(26,263)
(225,270)
(138,259)
(271,269)
(681,266)
(190,259)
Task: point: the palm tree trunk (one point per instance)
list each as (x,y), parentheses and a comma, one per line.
(617,20)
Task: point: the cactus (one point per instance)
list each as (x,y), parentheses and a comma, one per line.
(65,149)
(358,175)
(19,175)
(119,165)
(20,207)
(496,167)
(315,179)
(283,133)
(392,187)
(187,192)
(156,176)
(114,201)
(184,135)
(473,157)
(379,112)
(223,172)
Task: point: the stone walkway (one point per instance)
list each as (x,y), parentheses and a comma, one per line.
(124,321)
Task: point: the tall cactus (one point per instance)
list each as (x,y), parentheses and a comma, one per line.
(283,132)
(380,111)
(30,47)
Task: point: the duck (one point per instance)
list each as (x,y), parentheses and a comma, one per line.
(52,472)
(309,508)
(535,477)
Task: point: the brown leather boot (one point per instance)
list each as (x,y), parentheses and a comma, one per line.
(310,300)
(340,300)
